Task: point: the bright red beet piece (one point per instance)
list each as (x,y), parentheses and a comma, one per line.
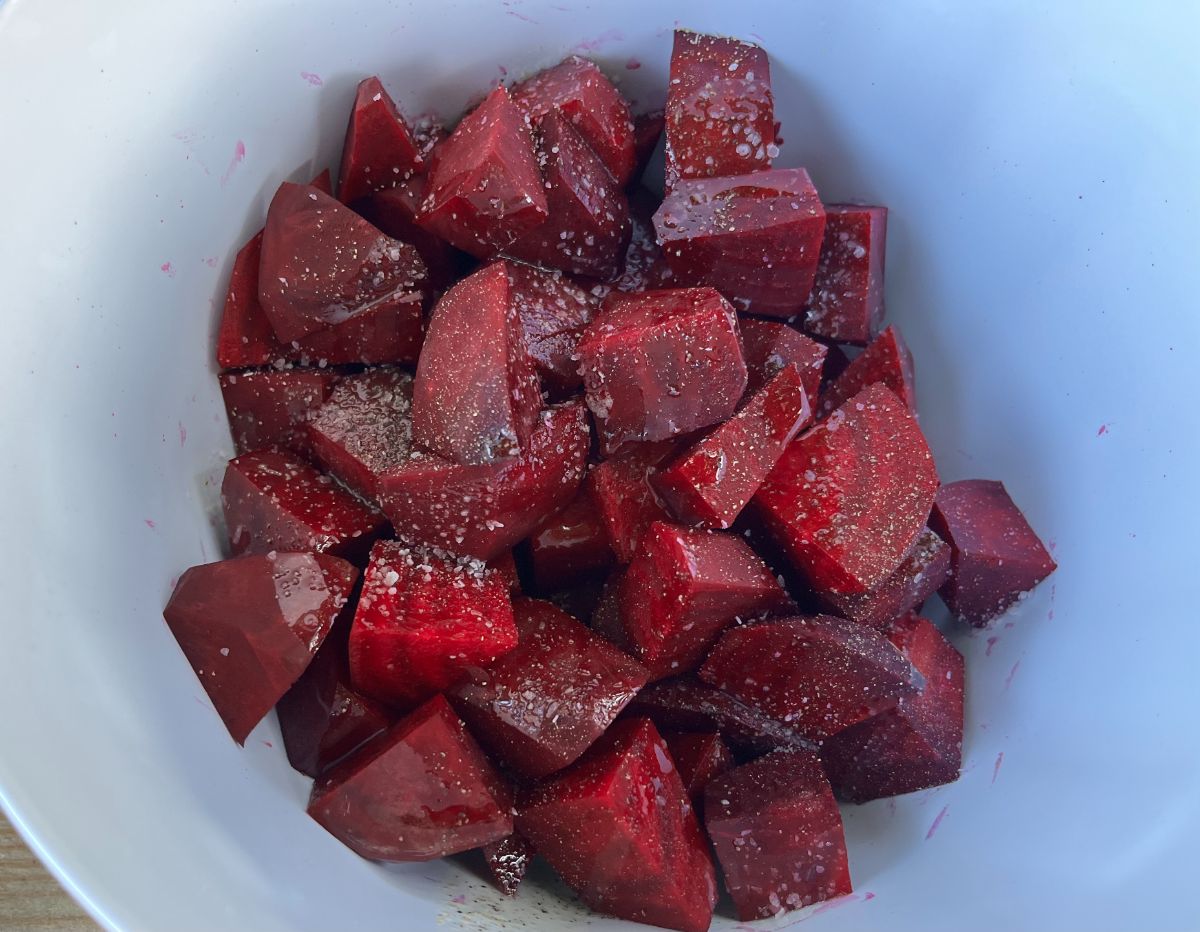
(422,791)
(251,625)
(245,338)
(476,397)
(540,706)
(578,90)
(820,673)
(506,565)
(917,744)
(778,835)
(699,756)
(507,861)
(554,311)
(484,190)
(395,212)
(423,617)
(379,151)
(756,238)
(770,345)
(275,501)
(848,499)
(995,555)
(846,304)
(887,360)
(662,363)
(720,116)
(270,408)
(619,829)
(710,483)
(569,547)
(647,131)
(625,501)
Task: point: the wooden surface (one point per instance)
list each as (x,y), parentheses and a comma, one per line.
(30,899)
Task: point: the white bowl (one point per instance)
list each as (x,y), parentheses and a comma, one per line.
(1040,162)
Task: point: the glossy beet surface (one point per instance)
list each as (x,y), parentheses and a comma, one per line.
(887,360)
(699,756)
(770,345)
(379,151)
(554,310)
(625,500)
(395,211)
(569,547)
(270,408)
(846,304)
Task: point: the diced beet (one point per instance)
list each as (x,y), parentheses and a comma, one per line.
(778,835)
(995,555)
(322,264)
(569,547)
(486,510)
(540,706)
(846,304)
(588,229)
(887,360)
(662,363)
(422,791)
(917,744)
(476,396)
(625,501)
(769,345)
(683,587)
(619,829)
(848,498)
(423,617)
(395,212)
(245,338)
(484,190)
(699,756)
(554,311)
(507,861)
(578,90)
(647,131)
(710,482)
(251,625)
(274,501)
(379,151)
(270,408)
(720,116)
(819,673)
(756,238)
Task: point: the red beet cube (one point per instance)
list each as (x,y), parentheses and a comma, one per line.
(647,131)
(245,338)
(848,499)
(820,673)
(995,555)
(251,625)
(699,756)
(662,363)
(625,501)
(756,238)
(770,345)
(484,190)
(887,360)
(778,834)
(846,304)
(577,89)
(275,501)
(476,397)
(619,829)
(270,408)
(379,151)
(423,617)
(917,744)
(554,311)
(569,547)
(507,861)
(710,483)
(540,706)
(720,117)
(395,212)
(422,791)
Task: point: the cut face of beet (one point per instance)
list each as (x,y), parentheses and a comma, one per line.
(778,835)
(251,625)
(379,151)
(995,554)
(569,547)
(770,345)
(756,238)
(395,212)
(846,304)
(625,501)
(507,861)
(422,791)
(699,756)
(245,338)
(270,408)
(887,360)
(619,829)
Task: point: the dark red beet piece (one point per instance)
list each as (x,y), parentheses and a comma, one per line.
(820,673)
(887,360)
(245,338)
(540,706)
(646,267)
(710,482)
(917,744)
(846,304)
(848,498)
(647,131)
(423,617)
(422,791)
(699,756)
(395,212)
(662,363)
(619,829)
(756,238)
(270,408)
(251,625)
(769,346)
(778,835)
(569,547)
(624,498)
(379,151)
(507,861)
(995,555)
(554,311)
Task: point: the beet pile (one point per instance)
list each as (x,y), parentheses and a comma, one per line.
(562,526)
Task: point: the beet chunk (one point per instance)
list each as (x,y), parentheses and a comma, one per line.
(569,547)
(245,338)
(269,408)
(778,835)
(554,311)
(995,554)
(507,861)
(710,483)
(819,673)
(619,829)
(756,238)
(887,360)
(770,345)
(422,791)
(395,212)
(476,397)
(423,617)
(251,625)
(699,756)
(379,151)
(846,304)
(848,499)
(662,363)
(625,500)
(917,744)
(484,190)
